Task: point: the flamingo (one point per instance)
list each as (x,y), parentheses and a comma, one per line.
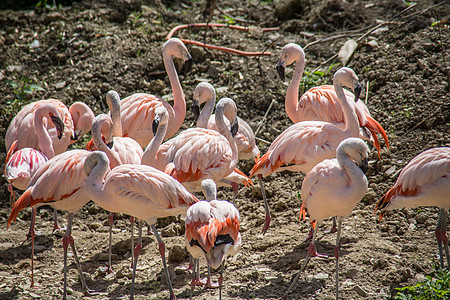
(22,126)
(197,153)
(321,103)
(61,183)
(138,109)
(244,138)
(140,191)
(212,232)
(121,150)
(332,189)
(424,181)
(303,145)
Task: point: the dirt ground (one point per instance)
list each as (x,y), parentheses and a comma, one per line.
(78,53)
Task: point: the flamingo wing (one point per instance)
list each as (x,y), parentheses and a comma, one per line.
(128,150)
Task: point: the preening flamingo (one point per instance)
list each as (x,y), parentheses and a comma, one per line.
(303,145)
(321,103)
(22,126)
(61,183)
(120,150)
(140,191)
(212,232)
(424,181)
(197,153)
(138,109)
(332,189)
(244,138)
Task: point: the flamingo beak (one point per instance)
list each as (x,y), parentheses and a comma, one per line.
(280,70)
(75,136)
(234,127)
(195,108)
(155,125)
(110,144)
(187,65)
(357,91)
(59,125)
(364,165)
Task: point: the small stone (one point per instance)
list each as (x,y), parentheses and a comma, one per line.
(321,276)
(419,277)
(14,68)
(373,44)
(35,44)
(213,72)
(418,88)
(105,256)
(360,291)
(351,273)
(95,225)
(60,85)
(412,227)
(177,254)
(391,170)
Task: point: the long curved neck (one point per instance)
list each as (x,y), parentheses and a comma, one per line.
(94,183)
(114,108)
(149,157)
(350,118)
(356,175)
(44,140)
(291,100)
(206,113)
(179,103)
(114,160)
(223,129)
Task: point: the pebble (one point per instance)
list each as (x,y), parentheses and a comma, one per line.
(321,276)
(105,256)
(360,291)
(60,85)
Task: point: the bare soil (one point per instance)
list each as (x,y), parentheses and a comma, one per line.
(94,46)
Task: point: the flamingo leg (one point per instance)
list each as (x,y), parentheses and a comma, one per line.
(441,235)
(209,283)
(235,187)
(111,223)
(311,253)
(266,205)
(162,251)
(333,227)
(12,195)
(56,226)
(137,250)
(132,220)
(195,276)
(220,281)
(33,234)
(336,254)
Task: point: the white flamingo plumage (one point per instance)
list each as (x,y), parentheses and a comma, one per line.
(424,181)
(321,103)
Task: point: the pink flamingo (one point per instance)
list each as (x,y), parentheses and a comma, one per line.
(321,103)
(140,191)
(197,153)
(332,189)
(138,109)
(244,138)
(303,145)
(212,232)
(61,183)
(22,126)
(120,150)
(424,181)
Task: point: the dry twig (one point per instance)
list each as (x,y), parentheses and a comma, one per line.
(264,117)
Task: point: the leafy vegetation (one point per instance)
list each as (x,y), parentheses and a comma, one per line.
(435,286)
(23,89)
(316,78)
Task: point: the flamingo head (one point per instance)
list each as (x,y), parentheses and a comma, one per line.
(175,47)
(291,53)
(203,92)
(347,77)
(161,117)
(82,117)
(357,150)
(59,124)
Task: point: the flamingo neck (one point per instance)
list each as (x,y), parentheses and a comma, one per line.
(291,100)
(149,157)
(179,103)
(206,113)
(350,118)
(356,176)
(94,183)
(44,140)
(223,129)
(116,118)
(114,160)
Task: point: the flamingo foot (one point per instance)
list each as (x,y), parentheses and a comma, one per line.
(266,224)
(211,285)
(313,253)
(309,236)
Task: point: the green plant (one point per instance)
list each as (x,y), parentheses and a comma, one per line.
(435,286)
(312,79)
(22,89)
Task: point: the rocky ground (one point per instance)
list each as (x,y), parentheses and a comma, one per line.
(78,53)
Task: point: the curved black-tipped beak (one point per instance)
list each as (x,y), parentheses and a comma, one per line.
(155,126)
(110,144)
(74,136)
(187,65)
(195,108)
(280,70)
(59,125)
(364,165)
(234,128)
(357,91)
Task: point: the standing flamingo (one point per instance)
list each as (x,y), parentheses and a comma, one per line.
(61,183)
(197,153)
(138,109)
(212,232)
(22,126)
(303,145)
(140,191)
(424,181)
(332,189)
(120,150)
(321,103)
(244,138)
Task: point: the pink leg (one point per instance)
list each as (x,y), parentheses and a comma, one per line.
(110,223)
(137,251)
(132,220)
(336,254)
(441,235)
(333,227)
(33,218)
(12,195)
(162,251)
(235,187)
(56,226)
(220,281)
(209,283)
(266,206)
